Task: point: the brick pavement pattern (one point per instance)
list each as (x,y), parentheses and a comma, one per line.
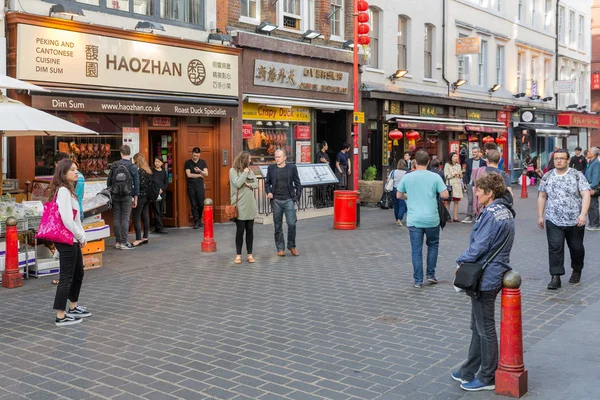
(341,321)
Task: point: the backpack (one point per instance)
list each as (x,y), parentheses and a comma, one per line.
(153,191)
(122,181)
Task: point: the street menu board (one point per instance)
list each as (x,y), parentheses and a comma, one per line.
(310,174)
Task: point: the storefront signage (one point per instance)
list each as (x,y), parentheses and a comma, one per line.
(486,129)
(579,120)
(303,153)
(131,137)
(454,147)
(567,86)
(503,116)
(384,143)
(427,111)
(161,121)
(112,106)
(473,115)
(430,126)
(394,107)
(54,55)
(290,76)
(468,45)
(302,132)
(247,131)
(596,81)
(264,113)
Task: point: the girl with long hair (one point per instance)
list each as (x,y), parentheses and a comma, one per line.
(453,174)
(242,182)
(62,191)
(160,176)
(141,212)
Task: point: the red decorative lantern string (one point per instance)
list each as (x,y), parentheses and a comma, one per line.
(473,138)
(412,135)
(488,139)
(395,134)
(501,140)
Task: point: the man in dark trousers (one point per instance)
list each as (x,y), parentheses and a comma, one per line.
(196,170)
(284,189)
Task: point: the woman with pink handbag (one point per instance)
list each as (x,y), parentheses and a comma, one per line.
(62,225)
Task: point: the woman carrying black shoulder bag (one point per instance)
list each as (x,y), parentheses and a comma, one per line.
(481,269)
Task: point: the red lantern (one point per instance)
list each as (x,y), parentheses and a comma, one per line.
(501,140)
(363,17)
(363,5)
(488,139)
(363,29)
(364,40)
(412,135)
(395,134)
(473,138)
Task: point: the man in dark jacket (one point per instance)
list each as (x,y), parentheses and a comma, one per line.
(122,205)
(284,189)
(472,163)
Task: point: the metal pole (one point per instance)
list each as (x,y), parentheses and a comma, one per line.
(356,127)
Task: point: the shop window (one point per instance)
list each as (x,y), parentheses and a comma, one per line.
(201,121)
(93,154)
(249,8)
(122,5)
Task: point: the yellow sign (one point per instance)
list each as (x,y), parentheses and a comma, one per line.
(473,115)
(427,111)
(468,45)
(260,112)
(359,117)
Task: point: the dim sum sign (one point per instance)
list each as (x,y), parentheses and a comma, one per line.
(58,56)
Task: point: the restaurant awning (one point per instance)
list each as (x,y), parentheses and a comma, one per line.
(445,124)
(278,101)
(546,130)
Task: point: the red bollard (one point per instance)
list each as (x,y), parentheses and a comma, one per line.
(208,244)
(524,180)
(11,277)
(511,375)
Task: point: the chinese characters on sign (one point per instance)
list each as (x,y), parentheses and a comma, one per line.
(427,111)
(468,45)
(289,76)
(91,65)
(473,115)
(596,81)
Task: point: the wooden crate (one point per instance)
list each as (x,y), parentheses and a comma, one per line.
(91,261)
(97,246)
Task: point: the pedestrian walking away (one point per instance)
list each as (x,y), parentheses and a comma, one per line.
(242,183)
(563,202)
(420,189)
(343,166)
(161,179)
(592,174)
(472,163)
(453,174)
(399,205)
(493,233)
(284,189)
(124,185)
(196,170)
(62,191)
(141,213)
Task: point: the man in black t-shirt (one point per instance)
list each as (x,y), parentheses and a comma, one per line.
(196,170)
(322,157)
(578,161)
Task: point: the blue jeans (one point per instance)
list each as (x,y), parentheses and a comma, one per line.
(399,206)
(416,244)
(286,207)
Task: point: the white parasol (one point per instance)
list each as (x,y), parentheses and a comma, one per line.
(6,82)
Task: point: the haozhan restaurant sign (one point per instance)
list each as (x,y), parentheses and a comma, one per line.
(54,55)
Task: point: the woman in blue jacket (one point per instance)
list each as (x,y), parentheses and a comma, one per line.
(494,224)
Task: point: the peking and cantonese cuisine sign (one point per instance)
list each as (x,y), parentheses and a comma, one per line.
(59,56)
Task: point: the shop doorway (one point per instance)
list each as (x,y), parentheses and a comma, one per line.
(163,143)
(203,137)
(331,127)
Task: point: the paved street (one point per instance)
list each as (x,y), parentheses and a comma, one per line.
(341,321)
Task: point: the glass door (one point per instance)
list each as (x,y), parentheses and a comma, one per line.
(163,145)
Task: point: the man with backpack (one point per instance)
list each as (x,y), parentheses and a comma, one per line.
(124,185)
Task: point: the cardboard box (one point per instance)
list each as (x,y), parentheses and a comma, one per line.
(95,224)
(96,246)
(92,219)
(45,267)
(23,259)
(91,261)
(98,233)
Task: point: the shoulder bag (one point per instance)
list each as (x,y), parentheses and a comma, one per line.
(231,211)
(468,275)
(389,186)
(51,226)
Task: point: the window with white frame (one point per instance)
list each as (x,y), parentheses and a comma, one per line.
(520,10)
(428,51)
(548,15)
(249,8)
(462,62)
(581,39)
(533,12)
(547,77)
(374,35)
(561,24)
(519,72)
(582,86)
(571,37)
(482,64)
(292,14)
(499,5)
(500,65)
(402,42)
(337,18)
(533,79)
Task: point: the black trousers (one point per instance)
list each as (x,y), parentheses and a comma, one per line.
(71,275)
(196,195)
(158,208)
(556,247)
(248,226)
(141,214)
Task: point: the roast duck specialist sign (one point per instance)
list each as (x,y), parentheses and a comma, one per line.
(54,55)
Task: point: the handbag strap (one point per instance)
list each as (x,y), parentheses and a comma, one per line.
(495,253)
(237,196)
